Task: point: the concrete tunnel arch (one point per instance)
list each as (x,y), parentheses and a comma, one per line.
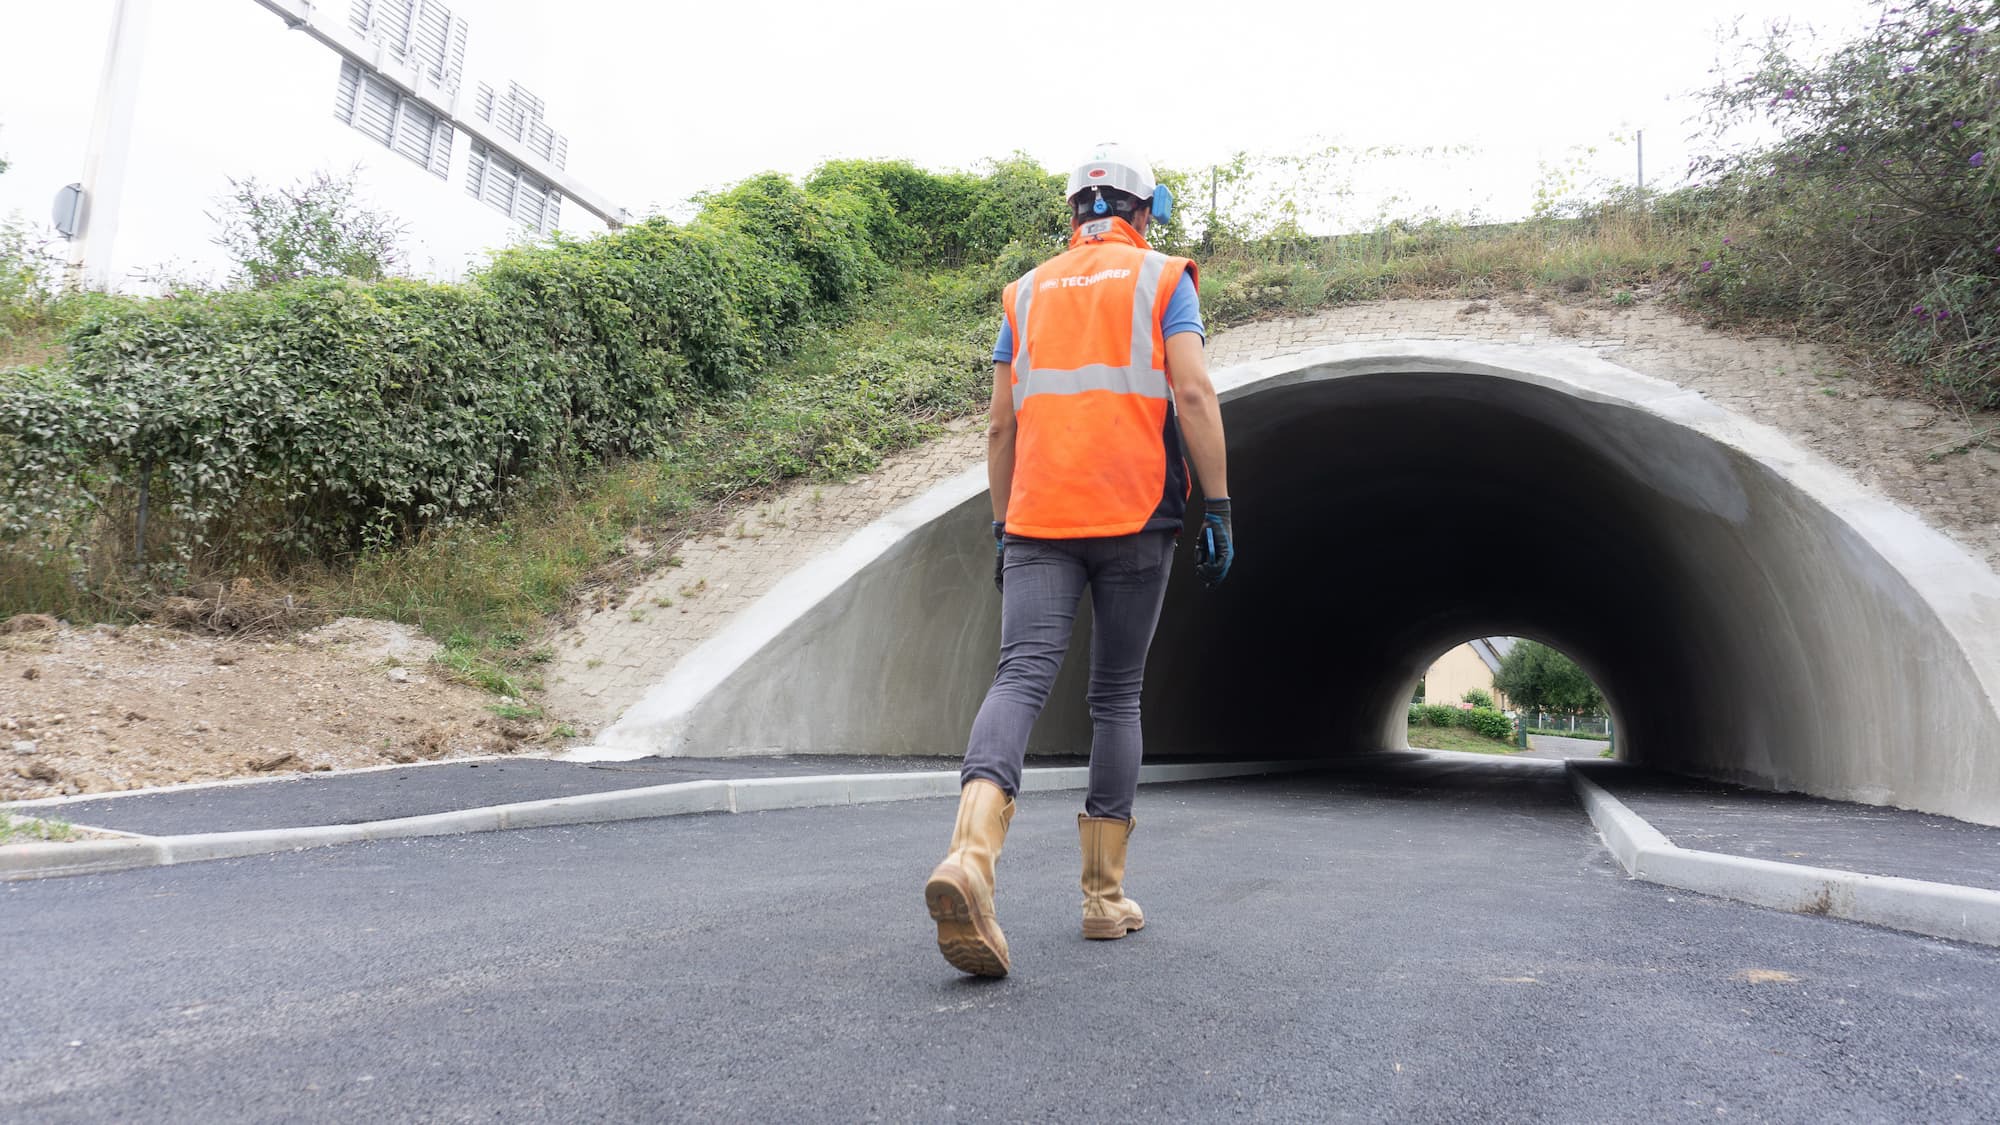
(1754,614)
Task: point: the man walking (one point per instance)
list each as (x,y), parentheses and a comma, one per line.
(1098,376)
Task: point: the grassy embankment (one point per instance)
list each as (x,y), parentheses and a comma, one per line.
(883,382)
(911,357)
(1424,737)
(488,588)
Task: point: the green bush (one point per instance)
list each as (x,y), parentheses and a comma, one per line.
(1478,698)
(912,216)
(319,417)
(826,239)
(1486,721)
(1879,206)
(1479,720)
(1436,715)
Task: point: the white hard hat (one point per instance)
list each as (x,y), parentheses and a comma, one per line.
(1112,166)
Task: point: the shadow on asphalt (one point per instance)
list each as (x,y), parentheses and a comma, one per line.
(1414,785)
(1518,784)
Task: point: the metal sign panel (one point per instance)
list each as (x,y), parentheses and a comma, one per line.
(68,216)
(512,190)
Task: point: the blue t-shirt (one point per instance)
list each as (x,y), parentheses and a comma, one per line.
(1183,315)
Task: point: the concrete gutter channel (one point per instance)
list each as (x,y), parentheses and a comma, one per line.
(762,794)
(1918,906)
(1942,910)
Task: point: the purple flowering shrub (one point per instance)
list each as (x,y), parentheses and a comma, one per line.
(1877,206)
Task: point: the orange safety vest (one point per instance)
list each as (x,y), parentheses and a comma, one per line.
(1097,447)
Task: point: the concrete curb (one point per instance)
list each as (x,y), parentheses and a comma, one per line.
(91,857)
(54,805)
(1915,905)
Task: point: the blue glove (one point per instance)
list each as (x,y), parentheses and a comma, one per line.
(999,555)
(1215,543)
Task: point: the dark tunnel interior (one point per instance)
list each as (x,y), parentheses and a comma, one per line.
(1381,521)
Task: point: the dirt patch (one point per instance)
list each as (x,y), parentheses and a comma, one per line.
(366,639)
(107,708)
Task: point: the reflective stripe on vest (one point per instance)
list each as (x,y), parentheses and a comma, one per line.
(1137,377)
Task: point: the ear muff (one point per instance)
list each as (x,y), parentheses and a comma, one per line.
(1163,203)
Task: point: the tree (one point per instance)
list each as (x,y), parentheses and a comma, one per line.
(314,228)
(1537,677)
(27,275)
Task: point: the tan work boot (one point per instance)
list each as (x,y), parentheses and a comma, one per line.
(960,891)
(1107,913)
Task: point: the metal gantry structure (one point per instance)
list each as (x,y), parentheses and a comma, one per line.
(400,83)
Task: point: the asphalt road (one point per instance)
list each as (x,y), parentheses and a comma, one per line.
(1447,944)
(1561,749)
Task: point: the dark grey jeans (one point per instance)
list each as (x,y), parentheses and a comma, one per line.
(1045,578)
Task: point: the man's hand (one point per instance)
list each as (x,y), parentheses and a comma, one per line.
(1215,543)
(999,556)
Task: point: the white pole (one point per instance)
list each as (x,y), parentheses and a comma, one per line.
(110,143)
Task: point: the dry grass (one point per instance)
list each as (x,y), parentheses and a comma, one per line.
(29,349)
(1595,258)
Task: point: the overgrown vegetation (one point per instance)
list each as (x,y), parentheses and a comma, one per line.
(1878,208)
(913,359)
(1596,251)
(326,418)
(467,457)
(33,308)
(1480,720)
(316,227)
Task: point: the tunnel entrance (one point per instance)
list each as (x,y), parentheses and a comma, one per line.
(1755,616)
(1382,519)
(1504,695)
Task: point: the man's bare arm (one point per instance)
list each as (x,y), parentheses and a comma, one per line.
(1000,440)
(1201,414)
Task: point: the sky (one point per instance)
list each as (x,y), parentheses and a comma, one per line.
(663,100)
